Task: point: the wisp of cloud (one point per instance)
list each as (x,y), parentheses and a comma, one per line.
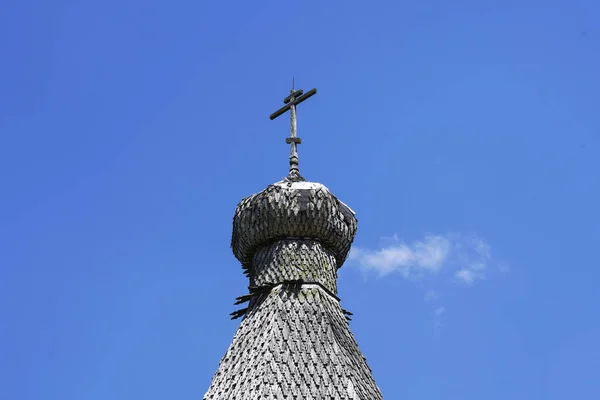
(466,258)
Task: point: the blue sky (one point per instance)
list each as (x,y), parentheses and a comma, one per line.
(464,134)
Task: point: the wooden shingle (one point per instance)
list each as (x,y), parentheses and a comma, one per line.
(294,341)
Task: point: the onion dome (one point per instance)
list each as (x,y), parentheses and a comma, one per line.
(294,341)
(292,210)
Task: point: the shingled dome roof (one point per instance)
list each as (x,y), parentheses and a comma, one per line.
(294,341)
(292,210)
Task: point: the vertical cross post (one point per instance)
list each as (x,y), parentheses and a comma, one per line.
(296,97)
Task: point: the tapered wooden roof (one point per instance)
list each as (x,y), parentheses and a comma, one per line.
(294,341)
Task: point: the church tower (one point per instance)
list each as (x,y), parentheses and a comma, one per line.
(294,341)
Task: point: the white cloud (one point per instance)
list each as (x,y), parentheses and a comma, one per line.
(466,276)
(464,257)
(434,261)
(427,255)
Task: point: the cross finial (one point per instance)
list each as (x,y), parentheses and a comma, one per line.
(296,97)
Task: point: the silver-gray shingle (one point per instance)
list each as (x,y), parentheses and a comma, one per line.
(294,341)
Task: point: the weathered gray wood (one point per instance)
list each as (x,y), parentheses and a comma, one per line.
(294,341)
(296,93)
(296,97)
(280,111)
(305,96)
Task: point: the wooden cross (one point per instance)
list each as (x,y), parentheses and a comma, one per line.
(296,97)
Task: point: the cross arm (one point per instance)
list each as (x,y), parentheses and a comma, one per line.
(296,94)
(280,111)
(297,101)
(305,96)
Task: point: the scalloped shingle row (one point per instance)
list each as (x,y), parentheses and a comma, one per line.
(294,341)
(294,344)
(279,212)
(289,259)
